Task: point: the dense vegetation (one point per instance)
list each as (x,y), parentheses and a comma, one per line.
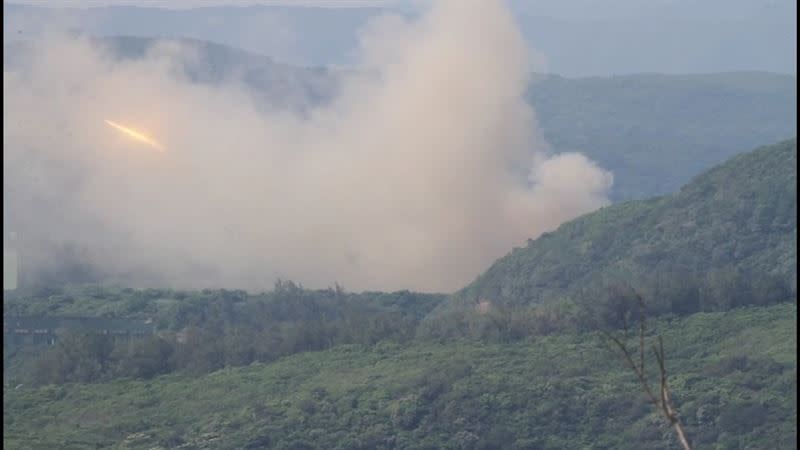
(201,332)
(727,239)
(733,377)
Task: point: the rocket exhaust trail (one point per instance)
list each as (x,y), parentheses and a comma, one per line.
(136,135)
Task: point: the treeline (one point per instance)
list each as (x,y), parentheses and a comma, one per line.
(609,303)
(734,381)
(205,331)
(216,329)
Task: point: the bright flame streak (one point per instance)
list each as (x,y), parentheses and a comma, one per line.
(137,135)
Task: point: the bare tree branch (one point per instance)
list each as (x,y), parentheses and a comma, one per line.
(662,402)
(666,402)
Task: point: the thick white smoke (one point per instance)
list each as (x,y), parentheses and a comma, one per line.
(417,176)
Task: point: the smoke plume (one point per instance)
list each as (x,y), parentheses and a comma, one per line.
(425,167)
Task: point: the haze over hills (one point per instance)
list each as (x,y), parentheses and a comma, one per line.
(243,196)
(272,84)
(576,38)
(304,228)
(653,132)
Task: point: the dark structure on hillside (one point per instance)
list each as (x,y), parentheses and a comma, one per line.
(45,330)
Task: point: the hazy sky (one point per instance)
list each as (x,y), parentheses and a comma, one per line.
(409,179)
(571,38)
(574,9)
(182,4)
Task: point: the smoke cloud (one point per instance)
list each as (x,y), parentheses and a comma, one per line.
(425,167)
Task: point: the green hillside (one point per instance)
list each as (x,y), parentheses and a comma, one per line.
(727,238)
(326,369)
(733,377)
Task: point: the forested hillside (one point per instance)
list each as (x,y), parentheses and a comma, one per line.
(727,239)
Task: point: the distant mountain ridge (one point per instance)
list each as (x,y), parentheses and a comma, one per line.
(653,132)
(575,38)
(273,84)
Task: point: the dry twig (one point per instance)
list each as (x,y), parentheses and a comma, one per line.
(662,402)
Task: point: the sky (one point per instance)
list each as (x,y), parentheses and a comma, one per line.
(184,4)
(571,38)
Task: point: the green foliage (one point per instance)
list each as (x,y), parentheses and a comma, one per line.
(205,331)
(726,239)
(733,378)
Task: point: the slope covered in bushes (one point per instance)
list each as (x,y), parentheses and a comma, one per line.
(733,378)
(727,238)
